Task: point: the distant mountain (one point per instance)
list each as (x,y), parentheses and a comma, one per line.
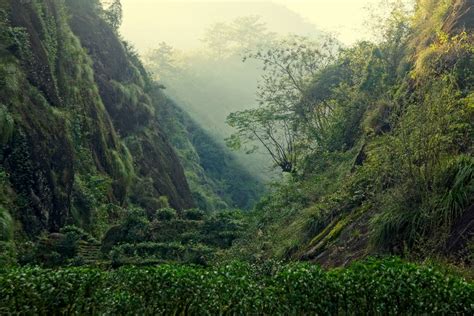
(148,22)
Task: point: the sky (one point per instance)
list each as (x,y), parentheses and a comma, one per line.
(181,23)
(346,18)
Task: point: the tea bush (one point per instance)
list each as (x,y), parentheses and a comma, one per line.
(150,252)
(388,286)
(165,214)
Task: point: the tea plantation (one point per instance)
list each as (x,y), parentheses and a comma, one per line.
(376,287)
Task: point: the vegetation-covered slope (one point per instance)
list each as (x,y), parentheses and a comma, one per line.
(384,155)
(81,140)
(86,135)
(216,178)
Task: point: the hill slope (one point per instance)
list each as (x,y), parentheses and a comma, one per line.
(394,172)
(81,124)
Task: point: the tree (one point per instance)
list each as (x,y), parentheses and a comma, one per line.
(162,61)
(114,13)
(238,37)
(249,33)
(218,39)
(272,128)
(289,65)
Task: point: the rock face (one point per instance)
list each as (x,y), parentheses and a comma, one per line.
(80,136)
(125,90)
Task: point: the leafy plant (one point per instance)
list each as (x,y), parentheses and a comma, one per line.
(388,286)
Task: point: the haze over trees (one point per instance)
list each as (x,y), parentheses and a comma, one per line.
(214,79)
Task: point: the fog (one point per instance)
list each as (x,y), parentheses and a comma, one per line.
(207,78)
(181,23)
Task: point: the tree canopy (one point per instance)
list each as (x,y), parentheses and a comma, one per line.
(288,65)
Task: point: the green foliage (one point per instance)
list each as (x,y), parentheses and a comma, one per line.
(386,286)
(134,226)
(114,14)
(91,209)
(179,230)
(201,83)
(7,254)
(458,181)
(122,171)
(89,4)
(288,65)
(392,161)
(165,214)
(217,179)
(448,54)
(193,214)
(49,32)
(149,253)
(14,38)
(59,249)
(132,97)
(428,134)
(190,236)
(6,125)
(6,222)
(428,20)
(78,234)
(301,207)
(223,228)
(377,138)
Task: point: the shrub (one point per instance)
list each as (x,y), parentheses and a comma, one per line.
(194,214)
(134,228)
(7,254)
(388,286)
(6,125)
(174,230)
(151,253)
(78,234)
(221,229)
(165,214)
(56,249)
(6,227)
(458,181)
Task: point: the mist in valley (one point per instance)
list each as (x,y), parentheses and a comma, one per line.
(195,49)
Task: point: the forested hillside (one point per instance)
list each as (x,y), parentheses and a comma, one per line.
(379,143)
(86,133)
(218,180)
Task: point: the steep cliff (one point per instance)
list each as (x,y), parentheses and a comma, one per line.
(80,140)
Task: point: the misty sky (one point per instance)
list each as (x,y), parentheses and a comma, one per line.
(181,23)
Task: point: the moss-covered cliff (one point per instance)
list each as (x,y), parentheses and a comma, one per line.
(80,140)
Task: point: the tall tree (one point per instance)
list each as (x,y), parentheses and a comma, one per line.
(162,61)
(289,65)
(238,37)
(114,13)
